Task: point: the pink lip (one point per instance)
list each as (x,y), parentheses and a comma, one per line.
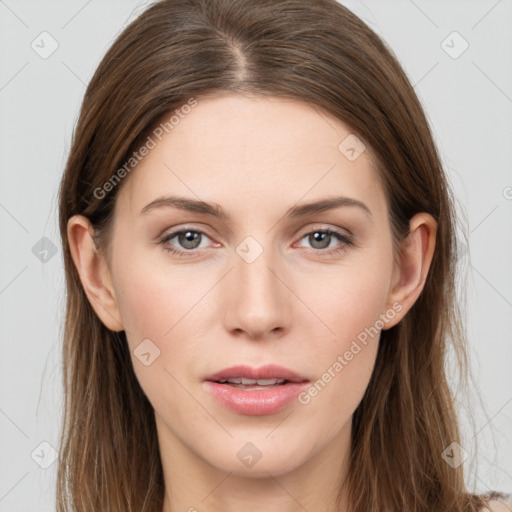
(256,402)
(269,371)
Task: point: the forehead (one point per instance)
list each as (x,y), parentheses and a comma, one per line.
(266,148)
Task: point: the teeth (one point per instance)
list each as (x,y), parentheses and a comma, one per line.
(269,382)
(252,382)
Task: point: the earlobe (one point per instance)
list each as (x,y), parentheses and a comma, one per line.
(93,271)
(415,259)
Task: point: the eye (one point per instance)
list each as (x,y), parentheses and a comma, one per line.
(189,239)
(320,240)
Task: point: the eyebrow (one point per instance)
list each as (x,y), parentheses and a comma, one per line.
(215,210)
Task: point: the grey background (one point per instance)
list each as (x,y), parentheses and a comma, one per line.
(468,100)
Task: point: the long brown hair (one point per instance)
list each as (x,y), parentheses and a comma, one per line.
(314,51)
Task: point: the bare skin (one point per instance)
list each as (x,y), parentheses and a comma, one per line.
(299,304)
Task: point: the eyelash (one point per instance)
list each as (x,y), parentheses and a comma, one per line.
(346,241)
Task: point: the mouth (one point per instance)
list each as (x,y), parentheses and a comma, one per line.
(252,384)
(255,391)
(244,376)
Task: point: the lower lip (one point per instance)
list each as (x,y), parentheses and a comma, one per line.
(255,402)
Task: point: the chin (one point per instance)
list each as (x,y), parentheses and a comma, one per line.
(250,459)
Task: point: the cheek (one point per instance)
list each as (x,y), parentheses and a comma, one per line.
(349,300)
(352,309)
(145,306)
(152,298)
(168,305)
(160,320)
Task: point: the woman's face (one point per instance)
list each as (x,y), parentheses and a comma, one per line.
(262,285)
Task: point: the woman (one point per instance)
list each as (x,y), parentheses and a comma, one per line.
(259,251)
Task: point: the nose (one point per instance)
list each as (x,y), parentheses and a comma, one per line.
(258,304)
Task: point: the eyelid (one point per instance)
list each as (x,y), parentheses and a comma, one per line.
(326,227)
(169,235)
(176,230)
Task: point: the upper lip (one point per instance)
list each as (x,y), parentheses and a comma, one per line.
(269,371)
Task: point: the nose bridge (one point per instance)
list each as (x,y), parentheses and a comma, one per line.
(258,299)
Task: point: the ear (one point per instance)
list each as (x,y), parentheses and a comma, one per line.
(410,272)
(94,272)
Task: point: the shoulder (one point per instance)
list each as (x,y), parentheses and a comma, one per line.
(499,506)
